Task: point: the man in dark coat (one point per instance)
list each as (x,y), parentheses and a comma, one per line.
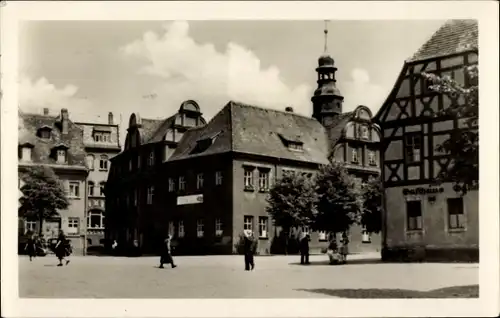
(166,256)
(62,248)
(304,250)
(249,249)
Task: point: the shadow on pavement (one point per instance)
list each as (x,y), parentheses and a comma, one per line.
(468,291)
(352,262)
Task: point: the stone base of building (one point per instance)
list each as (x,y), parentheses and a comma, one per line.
(427,254)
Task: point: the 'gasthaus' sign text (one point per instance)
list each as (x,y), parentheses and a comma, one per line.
(416,191)
(190,199)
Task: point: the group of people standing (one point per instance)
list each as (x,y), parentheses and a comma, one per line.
(62,247)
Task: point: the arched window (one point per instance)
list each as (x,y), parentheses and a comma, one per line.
(103,162)
(95,220)
(90,162)
(102,185)
(91,188)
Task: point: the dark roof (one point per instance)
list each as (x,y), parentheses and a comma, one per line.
(149,127)
(339,124)
(161,129)
(254,130)
(454,36)
(28,128)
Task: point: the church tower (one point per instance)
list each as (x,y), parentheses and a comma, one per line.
(327,99)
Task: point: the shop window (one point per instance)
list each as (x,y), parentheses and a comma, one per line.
(414,215)
(456,213)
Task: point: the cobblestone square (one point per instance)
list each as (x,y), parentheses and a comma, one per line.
(224,277)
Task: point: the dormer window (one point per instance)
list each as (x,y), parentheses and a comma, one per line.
(61,155)
(25,152)
(44,132)
(102,134)
(292,143)
(204,143)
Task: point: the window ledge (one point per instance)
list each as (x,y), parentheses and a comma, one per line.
(249,189)
(459,230)
(414,231)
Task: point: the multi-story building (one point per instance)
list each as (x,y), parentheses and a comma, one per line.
(101,143)
(56,142)
(424,219)
(207,182)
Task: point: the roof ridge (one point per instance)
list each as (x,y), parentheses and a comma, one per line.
(241,104)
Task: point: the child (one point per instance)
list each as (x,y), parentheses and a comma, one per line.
(332,250)
(343,248)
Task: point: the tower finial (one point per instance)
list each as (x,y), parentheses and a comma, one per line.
(326,35)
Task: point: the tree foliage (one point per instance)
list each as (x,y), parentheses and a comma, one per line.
(371,217)
(463,145)
(292,201)
(339,199)
(43,195)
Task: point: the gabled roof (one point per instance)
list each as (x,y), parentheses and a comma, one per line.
(42,148)
(454,36)
(254,130)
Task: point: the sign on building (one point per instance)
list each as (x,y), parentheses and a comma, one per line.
(190,199)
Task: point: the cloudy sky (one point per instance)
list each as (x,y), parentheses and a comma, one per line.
(150,67)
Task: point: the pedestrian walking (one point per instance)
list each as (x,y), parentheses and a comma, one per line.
(304,250)
(249,249)
(62,248)
(31,247)
(344,247)
(166,255)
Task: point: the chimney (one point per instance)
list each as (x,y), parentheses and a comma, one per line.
(64,120)
(45,111)
(110,118)
(289,109)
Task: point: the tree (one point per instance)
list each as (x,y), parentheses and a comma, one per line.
(371,217)
(42,196)
(292,202)
(463,145)
(340,199)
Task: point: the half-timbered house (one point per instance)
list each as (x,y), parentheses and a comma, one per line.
(425,219)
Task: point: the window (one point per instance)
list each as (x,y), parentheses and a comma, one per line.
(171,228)
(91,188)
(354,156)
(182,183)
(74,189)
(30,226)
(414,214)
(95,220)
(218,178)
(456,213)
(263,180)
(45,133)
(61,156)
(322,235)
(199,228)
(295,146)
(364,132)
(73,225)
(199,180)
(218,227)
(151,159)
(413,147)
(171,185)
(90,162)
(26,154)
(371,158)
(102,187)
(248,178)
(102,137)
(248,222)
(103,162)
(262,226)
(181,229)
(150,194)
(135,197)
